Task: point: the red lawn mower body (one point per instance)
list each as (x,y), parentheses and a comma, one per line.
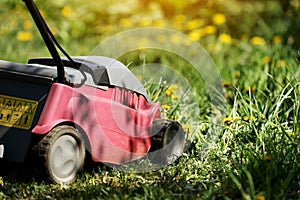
(116,121)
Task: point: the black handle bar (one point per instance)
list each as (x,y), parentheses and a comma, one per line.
(42,27)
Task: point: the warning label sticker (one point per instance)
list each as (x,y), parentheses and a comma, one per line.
(17,112)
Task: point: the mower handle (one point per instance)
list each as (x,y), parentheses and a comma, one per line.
(42,27)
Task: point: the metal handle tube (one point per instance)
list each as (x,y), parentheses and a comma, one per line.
(47,39)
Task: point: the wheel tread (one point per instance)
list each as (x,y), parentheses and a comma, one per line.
(44,147)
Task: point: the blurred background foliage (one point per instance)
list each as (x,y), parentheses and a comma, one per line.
(91,20)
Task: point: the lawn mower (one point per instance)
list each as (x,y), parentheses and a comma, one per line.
(64,108)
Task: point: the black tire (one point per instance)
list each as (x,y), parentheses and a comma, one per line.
(167,142)
(62,151)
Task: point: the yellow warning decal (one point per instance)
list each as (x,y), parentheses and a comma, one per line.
(17,112)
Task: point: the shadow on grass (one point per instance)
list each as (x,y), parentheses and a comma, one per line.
(16,172)
(33,172)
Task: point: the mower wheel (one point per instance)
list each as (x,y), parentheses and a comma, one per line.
(167,141)
(63,153)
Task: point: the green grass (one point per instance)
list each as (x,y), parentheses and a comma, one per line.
(256,154)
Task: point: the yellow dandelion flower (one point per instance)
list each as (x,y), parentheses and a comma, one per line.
(226,84)
(145,22)
(171,89)
(292,134)
(187,128)
(259,41)
(168,92)
(298,137)
(227,120)
(260,198)
(126,22)
(248,88)
(24,36)
(237,118)
(277,39)
(219,19)
(27,24)
(196,34)
(174,87)
(175,39)
(267,59)
(166,107)
(238,74)
(174,97)
(282,63)
(210,29)
(225,38)
(246,118)
(179,19)
(159,23)
(194,24)
(66,11)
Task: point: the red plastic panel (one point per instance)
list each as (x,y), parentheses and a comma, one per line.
(117,121)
